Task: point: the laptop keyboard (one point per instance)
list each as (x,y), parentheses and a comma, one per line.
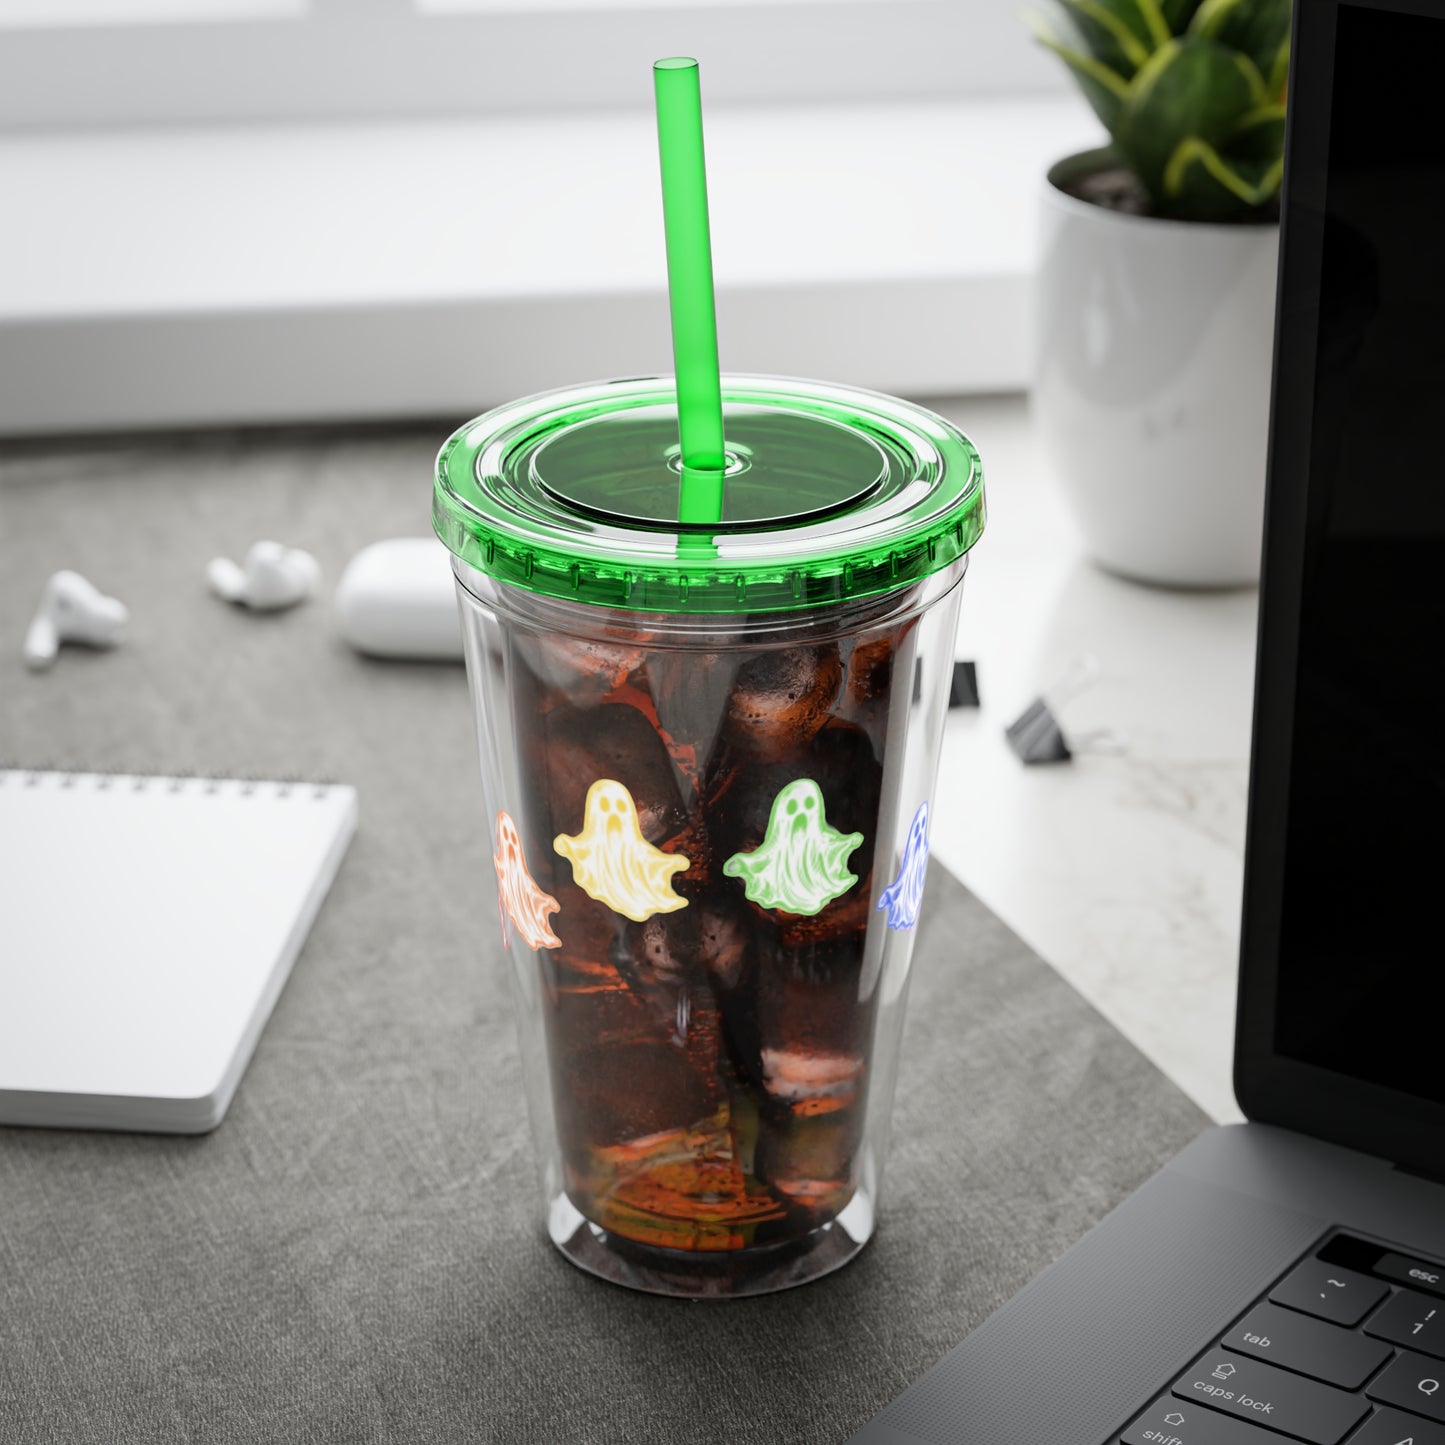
(1348,1348)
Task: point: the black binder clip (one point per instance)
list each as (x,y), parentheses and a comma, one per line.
(963,689)
(1036,735)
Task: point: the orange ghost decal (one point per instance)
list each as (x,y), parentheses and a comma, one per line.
(518,896)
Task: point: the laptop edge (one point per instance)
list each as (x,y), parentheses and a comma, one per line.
(1076,1355)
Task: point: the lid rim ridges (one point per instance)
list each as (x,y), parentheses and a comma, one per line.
(834,559)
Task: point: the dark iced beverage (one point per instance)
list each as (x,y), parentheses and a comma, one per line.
(709,1039)
(710,835)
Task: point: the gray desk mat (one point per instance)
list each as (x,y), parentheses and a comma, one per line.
(357,1254)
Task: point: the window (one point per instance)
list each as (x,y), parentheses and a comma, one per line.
(58,14)
(105,62)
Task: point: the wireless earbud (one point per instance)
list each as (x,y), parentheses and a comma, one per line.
(72,610)
(273,577)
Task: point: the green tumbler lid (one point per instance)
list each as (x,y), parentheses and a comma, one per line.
(831,493)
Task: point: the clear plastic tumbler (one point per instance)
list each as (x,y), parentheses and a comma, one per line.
(708,757)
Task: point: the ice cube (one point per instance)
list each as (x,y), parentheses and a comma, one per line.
(582,668)
(780,698)
(582,745)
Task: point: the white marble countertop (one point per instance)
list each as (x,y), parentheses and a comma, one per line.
(1122,868)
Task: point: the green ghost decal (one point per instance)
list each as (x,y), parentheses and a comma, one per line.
(799,865)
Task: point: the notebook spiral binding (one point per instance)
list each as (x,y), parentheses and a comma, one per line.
(242,784)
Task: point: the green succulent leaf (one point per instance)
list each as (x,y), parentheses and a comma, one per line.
(1105,89)
(1259,136)
(1189,89)
(1278,77)
(1203,185)
(1256,28)
(1155,21)
(1192,93)
(1178,14)
(1114,32)
(1250,71)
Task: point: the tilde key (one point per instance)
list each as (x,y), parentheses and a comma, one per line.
(1329,1293)
(1289,1403)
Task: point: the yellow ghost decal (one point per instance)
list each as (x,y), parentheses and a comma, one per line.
(613,863)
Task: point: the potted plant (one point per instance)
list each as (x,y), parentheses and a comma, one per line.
(1155,296)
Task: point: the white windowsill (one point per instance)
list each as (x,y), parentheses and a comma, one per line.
(430,267)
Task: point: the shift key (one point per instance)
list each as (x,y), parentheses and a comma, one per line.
(1249,1390)
(1175,1422)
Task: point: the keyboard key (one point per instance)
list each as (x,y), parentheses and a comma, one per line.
(1329,1292)
(1412,1319)
(1390,1427)
(1267,1396)
(1172,1422)
(1296,1342)
(1413,1383)
(1419,1273)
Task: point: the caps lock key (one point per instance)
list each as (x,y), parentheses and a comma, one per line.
(1289,1403)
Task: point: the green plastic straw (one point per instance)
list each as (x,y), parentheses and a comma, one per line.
(689,287)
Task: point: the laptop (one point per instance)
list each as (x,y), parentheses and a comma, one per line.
(1284,1279)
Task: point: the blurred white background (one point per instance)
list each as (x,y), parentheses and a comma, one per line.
(256,211)
(241,210)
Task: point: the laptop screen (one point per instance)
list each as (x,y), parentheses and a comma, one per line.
(1361,942)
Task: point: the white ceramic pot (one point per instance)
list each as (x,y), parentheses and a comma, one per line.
(1152,373)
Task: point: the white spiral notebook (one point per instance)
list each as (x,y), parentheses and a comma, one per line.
(147,927)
